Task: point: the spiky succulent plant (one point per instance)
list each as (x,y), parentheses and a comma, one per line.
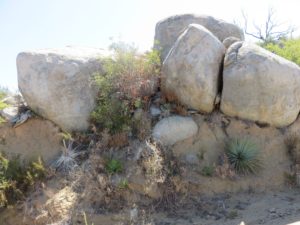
(243,155)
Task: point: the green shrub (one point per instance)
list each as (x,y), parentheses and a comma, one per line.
(113,166)
(208,171)
(3,93)
(16,179)
(128,80)
(243,156)
(123,184)
(3,105)
(288,49)
(232,215)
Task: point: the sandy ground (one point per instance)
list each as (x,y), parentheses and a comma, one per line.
(276,208)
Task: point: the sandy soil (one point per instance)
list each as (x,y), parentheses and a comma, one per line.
(276,208)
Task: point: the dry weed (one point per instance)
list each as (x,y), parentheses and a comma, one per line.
(224,170)
(118,140)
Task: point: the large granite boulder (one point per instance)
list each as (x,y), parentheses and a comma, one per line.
(168,30)
(56,84)
(260,86)
(171,130)
(190,73)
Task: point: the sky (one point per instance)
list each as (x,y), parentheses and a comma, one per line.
(35,24)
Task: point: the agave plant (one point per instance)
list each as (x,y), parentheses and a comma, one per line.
(243,155)
(67,161)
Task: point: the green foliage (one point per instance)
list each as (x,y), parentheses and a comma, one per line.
(3,105)
(232,215)
(3,93)
(289,49)
(112,114)
(123,184)
(16,179)
(208,171)
(123,86)
(243,155)
(113,166)
(2,120)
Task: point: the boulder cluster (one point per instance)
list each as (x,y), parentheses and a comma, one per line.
(206,62)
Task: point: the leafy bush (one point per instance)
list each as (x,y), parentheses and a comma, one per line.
(128,81)
(113,166)
(123,184)
(243,155)
(3,105)
(289,49)
(208,171)
(16,179)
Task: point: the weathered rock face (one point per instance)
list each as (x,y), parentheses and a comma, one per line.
(36,137)
(190,73)
(56,84)
(168,30)
(209,144)
(260,86)
(173,129)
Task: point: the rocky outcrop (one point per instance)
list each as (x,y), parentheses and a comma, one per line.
(173,129)
(168,30)
(190,73)
(227,42)
(260,86)
(56,84)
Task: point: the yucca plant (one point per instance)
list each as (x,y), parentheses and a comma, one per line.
(243,156)
(67,161)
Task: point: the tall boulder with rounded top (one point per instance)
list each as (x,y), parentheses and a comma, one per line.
(168,30)
(56,84)
(260,86)
(190,73)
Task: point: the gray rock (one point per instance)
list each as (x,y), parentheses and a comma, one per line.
(190,73)
(13,100)
(173,129)
(9,113)
(260,86)
(168,30)
(191,158)
(229,41)
(155,111)
(56,84)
